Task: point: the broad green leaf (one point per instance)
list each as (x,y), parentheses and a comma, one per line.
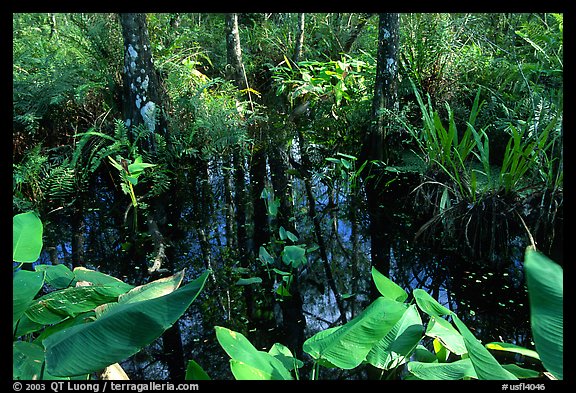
(26,237)
(83,318)
(428,304)
(349,345)
(137,167)
(441,352)
(95,277)
(513,348)
(282,290)
(283,353)
(117,334)
(291,236)
(544,279)
(25,286)
(395,348)
(456,370)
(154,289)
(422,354)
(264,256)
(58,305)
(521,372)
(57,276)
(485,365)
(245,372)
(294,255)
(318,337)
(246,361)
(27,361)
(443,330)
(26,326)
(273,206)
(387,287)
(195,373)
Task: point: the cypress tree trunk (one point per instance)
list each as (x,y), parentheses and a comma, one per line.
(377,143)
(142,106)
(141,103)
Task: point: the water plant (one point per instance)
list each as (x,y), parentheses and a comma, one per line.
(73,324)
(391,332)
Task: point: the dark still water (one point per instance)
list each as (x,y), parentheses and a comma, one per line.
(488,294)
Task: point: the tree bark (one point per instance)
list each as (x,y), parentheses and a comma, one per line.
(141,104)
(299,38)
(376,145)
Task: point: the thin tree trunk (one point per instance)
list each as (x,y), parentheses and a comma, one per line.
(299,38)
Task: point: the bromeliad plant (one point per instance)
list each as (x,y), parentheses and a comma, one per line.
(390,332)
(87,321)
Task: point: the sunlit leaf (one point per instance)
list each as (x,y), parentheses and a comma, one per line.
(544,280)
(57,276)
(485,365)
(428,304)
(349,345)
(387,287)
(117,334)
(27,232)
(456,370)
(395,348)
(513,349)
(441,329)
(25,286)
(246,361)
(283,353)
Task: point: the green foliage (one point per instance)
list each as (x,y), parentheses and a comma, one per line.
(88,320)
(129,173)
(291,256)
(62,64)
(445,148)
(390,333)
(546,294)
(26,237)
(246,362)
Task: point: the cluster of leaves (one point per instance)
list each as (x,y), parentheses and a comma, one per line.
(55,78)
(390,332)
(333,96)
(69,324)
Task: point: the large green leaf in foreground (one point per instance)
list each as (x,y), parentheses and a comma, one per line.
(347,346)
(26,237)
(25,286)
(117,334)
(544,279)
(247,362)
(485,365)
